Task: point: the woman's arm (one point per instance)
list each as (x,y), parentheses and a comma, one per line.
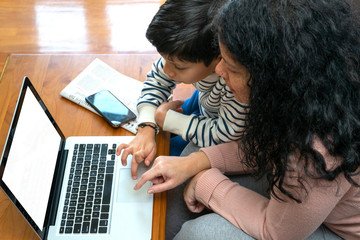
(264,218)
(227,158)
(169,172)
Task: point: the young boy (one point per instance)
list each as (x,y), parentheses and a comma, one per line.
(182,33)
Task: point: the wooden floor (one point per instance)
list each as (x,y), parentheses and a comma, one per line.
(77,26)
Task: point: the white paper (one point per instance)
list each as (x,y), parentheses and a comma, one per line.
(99,76)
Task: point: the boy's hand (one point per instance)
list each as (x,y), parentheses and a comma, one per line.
(161,111)
(142,148)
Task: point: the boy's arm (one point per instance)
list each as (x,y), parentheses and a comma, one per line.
(156,90)
(204,131)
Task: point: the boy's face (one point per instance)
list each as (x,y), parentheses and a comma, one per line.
(188,72)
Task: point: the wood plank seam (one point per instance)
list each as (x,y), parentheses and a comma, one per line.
(3,70)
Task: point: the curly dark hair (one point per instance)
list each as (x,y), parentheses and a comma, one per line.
(303,57)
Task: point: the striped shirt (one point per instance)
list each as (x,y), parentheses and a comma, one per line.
(221,119)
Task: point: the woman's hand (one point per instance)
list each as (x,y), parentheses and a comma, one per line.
(142,148)
(189,195)
(169,172)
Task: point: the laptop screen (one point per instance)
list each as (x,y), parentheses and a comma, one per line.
(31,159)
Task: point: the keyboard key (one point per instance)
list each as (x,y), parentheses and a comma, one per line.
(105,208)
(104,148)
(110,170)
(69,223)
(94,225)
(87,218)
(79,212)
(95,214)
(97,148)
(107,188)
(77,228)
(96,208)
(82,147)
(86,227)
(102,229)
(103,223)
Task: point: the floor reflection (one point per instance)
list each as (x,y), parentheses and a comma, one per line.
(90,26)
(61,26)
(128,24)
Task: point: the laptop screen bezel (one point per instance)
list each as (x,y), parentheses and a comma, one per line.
(59,168)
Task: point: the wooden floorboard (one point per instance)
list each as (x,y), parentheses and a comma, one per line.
(78,26)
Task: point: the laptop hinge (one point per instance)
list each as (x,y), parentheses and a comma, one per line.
(57,185)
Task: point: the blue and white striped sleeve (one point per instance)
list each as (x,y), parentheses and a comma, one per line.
(207,131)
(156,89)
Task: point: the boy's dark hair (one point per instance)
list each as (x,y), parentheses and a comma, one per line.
(183,29)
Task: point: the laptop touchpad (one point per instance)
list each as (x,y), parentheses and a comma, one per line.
(126,192)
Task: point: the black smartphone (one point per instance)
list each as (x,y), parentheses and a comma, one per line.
(110,108)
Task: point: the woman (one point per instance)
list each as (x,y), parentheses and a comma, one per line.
(296,63)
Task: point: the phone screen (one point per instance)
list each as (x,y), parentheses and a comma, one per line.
(111,108)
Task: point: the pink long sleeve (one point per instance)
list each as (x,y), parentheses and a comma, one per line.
(336,203)
(226,158)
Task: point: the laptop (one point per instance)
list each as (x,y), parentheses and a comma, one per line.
(74,188)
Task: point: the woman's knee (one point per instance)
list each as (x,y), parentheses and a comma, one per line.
(210,226)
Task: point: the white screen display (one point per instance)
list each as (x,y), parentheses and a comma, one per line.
(32,159)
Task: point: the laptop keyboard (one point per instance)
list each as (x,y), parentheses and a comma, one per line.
(88,196)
